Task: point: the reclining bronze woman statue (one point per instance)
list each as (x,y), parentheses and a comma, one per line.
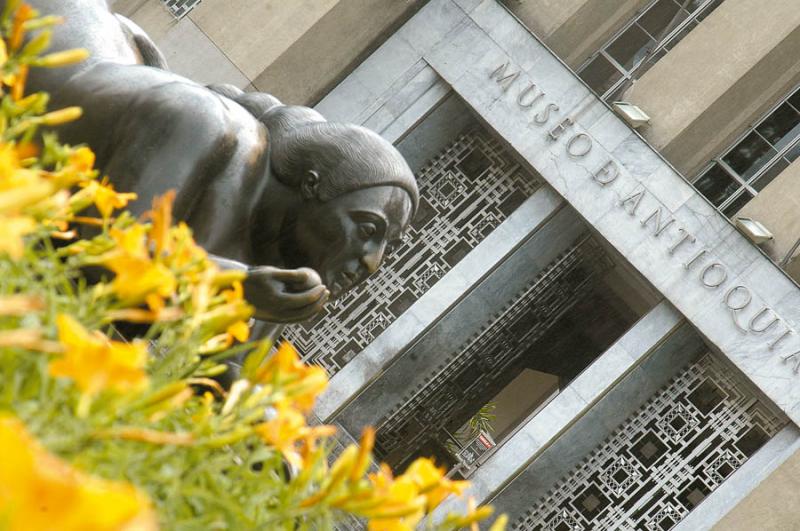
(306,206)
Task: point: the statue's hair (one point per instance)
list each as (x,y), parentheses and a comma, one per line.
(348,157)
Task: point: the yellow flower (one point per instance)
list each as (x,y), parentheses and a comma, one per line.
(137,276)
(105,198)
(95,362)
(301,383)
(82,159)
(19,187)
(401,506)
(289,434)
(431,482)
(62,116)
(473,516)
(38,491)
(20,304)
(161,215)
(12,231)
(67,57)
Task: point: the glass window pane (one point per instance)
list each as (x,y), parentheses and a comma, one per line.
(793,152)
(767,177)
(661,18)
(781,127)
(794,99)
(716,185)
(737,204)
(600,74)
(749,155)
(630,47)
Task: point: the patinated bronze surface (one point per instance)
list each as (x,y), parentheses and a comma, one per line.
(307,206)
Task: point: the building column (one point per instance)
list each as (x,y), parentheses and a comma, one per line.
(718,79)
(575,30)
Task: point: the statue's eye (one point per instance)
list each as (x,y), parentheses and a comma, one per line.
(367,230)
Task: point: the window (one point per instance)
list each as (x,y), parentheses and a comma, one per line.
(639,45)
(760,155)
(180,8)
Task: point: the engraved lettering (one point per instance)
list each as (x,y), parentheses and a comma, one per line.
(542,117)
(531,89)
(659,226)
(634,199)
(579,151)
(737,308)
(696,257)
(607,174)
(723,275)
(503,79)
(796,356)
(556,132)
(761,329)
(774,344)
(685,238)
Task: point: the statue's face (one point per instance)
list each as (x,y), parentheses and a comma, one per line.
(345,239)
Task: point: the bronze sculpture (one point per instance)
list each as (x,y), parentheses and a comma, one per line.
(309,205)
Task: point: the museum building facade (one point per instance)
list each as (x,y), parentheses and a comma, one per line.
(593,316)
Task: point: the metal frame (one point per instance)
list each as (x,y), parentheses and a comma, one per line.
(745,185)
(629,76)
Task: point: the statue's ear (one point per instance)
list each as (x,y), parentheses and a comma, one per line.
(309,188)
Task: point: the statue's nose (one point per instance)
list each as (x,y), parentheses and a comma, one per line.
(372,258)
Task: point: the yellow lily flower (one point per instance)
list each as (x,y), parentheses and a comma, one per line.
(288,432)
(95,362)
(301,383)
(38,491)
(137,276)
(431,482)
(105,198)
(12,231)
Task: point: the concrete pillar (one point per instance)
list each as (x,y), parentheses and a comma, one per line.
(295,50)
(575,29)
(339,40)
(720,78)
(778,207)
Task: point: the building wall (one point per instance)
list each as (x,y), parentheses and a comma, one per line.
(294,50)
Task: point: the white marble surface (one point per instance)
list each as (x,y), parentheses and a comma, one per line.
(491,38)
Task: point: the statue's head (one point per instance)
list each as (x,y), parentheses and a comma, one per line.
(358,195)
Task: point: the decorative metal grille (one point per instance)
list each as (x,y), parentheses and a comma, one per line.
(180,8)
(476,366)
(661,463)
(467,191)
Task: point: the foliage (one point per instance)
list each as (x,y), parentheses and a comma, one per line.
(103,433)
(482,420)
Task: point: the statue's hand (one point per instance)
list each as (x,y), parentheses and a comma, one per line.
(285,295)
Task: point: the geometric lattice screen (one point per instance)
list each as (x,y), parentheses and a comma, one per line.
(180,8)
(476,368)
(465,192)
(661,463)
